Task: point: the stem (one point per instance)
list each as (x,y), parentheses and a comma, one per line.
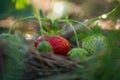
(114,9)
(82,24)
(75,33)
(11,27)
(39,18)
(110,12)
(40,24)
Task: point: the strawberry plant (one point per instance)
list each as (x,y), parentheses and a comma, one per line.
(47,42)
(53,53)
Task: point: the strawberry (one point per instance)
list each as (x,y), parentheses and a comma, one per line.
(95,43)
(44,46)
(78,53)
(60,45)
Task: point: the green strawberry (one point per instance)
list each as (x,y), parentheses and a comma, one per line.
(95,43)
(44,46)
(78,53)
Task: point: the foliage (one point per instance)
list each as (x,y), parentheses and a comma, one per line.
(20,4)
(14,50)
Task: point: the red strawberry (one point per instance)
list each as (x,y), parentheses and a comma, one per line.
(59,44)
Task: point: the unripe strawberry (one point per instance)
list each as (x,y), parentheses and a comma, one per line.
(78,53)
(60,45)
(44,46)
(95,43)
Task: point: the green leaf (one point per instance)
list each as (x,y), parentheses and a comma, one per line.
(20,4)
(97,29)
(41,13)
(54,25)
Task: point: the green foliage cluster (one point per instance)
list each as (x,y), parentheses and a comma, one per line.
(14,49)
